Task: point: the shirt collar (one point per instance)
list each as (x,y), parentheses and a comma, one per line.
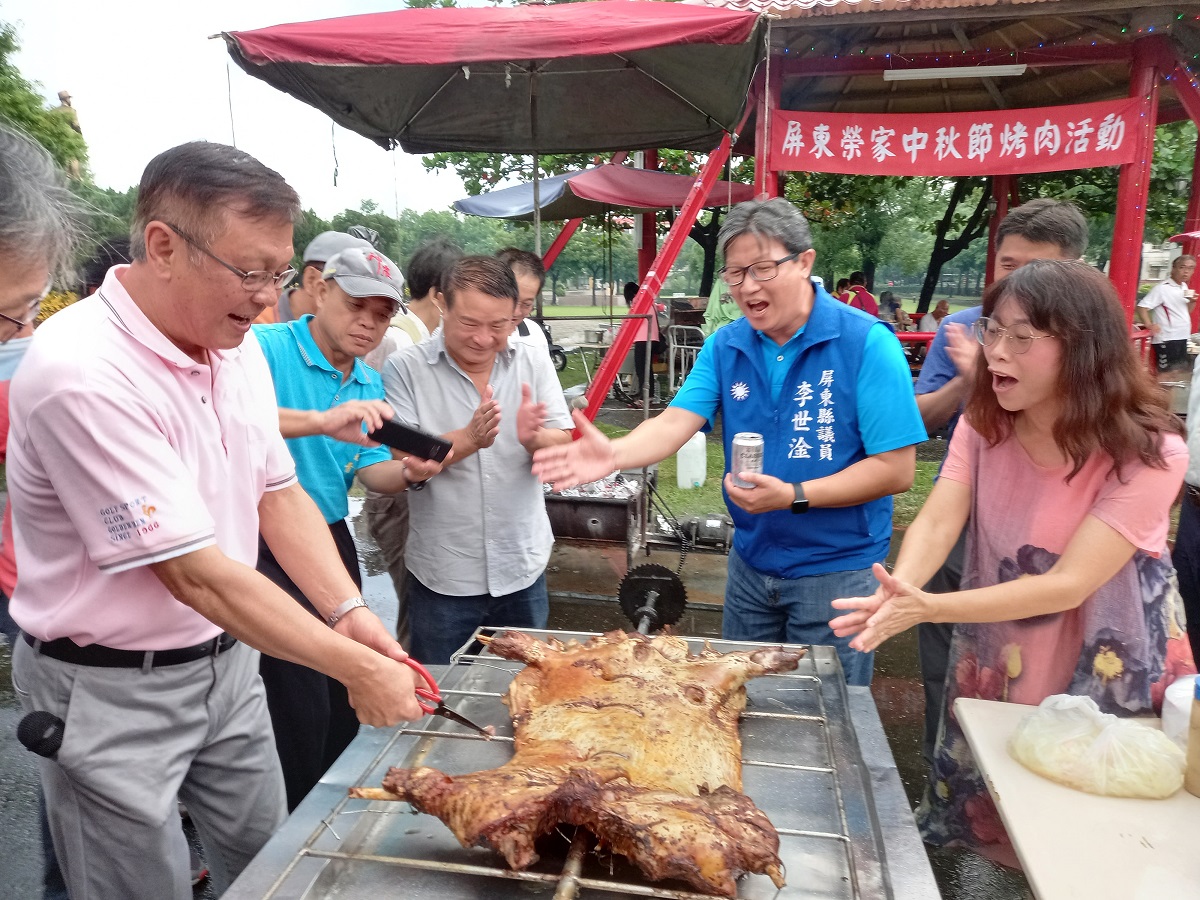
(301,330)
(128,316)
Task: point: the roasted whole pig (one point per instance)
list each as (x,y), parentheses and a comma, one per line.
(631,737)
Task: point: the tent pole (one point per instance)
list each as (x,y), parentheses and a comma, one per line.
(643,302)
(649,248)
(1000,194)
(770,92)
(537,193)
(1133,186)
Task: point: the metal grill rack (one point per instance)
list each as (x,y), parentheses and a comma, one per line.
(801,766)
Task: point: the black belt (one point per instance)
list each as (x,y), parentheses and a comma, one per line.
(66,650)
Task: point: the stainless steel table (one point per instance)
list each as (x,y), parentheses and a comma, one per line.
(816,761)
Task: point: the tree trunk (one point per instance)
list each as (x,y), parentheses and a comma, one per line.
(706,237)
(945,249)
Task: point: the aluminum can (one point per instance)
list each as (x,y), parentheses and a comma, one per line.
(747,452)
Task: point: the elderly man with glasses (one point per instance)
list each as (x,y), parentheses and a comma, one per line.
(828,389)
(145,460)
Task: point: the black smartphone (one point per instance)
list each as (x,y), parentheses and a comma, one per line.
(409,440)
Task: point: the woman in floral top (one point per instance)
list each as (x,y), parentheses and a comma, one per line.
(1064,470)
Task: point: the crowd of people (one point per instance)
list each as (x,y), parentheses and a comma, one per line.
(185,596)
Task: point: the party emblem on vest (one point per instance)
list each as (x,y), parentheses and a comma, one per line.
(739,390)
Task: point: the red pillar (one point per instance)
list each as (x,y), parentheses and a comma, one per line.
(649,248)
(1134,184)
(770,86)
(1001,190)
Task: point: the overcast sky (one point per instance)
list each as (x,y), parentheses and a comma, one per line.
(144,77)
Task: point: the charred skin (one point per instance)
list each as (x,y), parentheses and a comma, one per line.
(634,738)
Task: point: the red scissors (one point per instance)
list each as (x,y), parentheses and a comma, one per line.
(436,706)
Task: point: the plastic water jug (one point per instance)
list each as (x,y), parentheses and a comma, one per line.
(691,462)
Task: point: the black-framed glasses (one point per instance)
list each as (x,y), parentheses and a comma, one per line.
(35,307)
(987,332)
(760,271)
(252,282)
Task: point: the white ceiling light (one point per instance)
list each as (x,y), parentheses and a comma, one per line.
(952,72)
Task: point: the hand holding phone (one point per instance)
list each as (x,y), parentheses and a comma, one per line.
(410,440)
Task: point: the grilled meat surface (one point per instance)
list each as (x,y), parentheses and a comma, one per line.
(631,737)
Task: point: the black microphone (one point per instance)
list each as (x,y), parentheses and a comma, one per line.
(41,732)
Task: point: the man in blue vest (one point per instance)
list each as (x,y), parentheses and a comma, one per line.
(828,388)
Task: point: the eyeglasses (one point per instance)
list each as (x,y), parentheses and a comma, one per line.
(760,271)
(35,307)
(252,282)
(987,332)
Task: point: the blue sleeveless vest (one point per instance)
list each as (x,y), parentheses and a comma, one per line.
(813,432)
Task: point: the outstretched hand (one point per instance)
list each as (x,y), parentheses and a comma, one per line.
(894,607)
(587,459)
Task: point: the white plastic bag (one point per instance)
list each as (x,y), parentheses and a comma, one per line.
(1068,740)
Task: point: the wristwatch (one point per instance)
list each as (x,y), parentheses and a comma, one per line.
(343,608)
(800,504)
(414,485)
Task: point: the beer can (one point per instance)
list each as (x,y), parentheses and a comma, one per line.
(747,456)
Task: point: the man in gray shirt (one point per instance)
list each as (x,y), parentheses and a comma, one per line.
(479,538)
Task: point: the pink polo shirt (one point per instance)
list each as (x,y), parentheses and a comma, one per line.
(124,451)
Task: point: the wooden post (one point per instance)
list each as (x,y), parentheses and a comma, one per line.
(649,248)
(1133,186)
(769,90)
(1001,190)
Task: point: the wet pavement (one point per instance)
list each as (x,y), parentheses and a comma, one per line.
(584,579)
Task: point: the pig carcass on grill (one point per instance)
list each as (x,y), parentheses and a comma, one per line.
(631,737)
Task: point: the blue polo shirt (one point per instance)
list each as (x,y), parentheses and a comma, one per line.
(304,379)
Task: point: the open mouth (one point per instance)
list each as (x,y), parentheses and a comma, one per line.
(1002,382)
(243,321)
(757,307)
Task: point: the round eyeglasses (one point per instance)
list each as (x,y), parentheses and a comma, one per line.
(759,271)
(252,282)
(987,332)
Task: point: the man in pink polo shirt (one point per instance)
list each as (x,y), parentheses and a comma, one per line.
(144,460)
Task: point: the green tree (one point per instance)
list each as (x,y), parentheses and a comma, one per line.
(22,106)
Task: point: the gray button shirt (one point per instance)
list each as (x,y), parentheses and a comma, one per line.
(479,527)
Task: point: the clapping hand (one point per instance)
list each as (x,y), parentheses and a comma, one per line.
(485,421)
(894,607)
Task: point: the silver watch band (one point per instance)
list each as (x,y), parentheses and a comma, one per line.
(343,608)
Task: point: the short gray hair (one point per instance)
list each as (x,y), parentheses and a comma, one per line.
(40,219)
(773,219)
(195,185)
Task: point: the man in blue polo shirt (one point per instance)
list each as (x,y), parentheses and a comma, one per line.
(328,400)
(828,388)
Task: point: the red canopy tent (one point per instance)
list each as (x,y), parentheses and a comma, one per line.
(605,75)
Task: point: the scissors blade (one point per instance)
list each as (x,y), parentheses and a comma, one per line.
(446,712)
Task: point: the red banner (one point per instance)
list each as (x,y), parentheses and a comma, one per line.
(1000,142)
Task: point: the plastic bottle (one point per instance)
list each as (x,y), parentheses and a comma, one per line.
(691,462)
(1191,778)
(1177,709)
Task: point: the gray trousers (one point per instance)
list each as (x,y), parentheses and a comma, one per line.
(136,740)
(387,520)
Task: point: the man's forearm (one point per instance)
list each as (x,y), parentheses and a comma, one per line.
(548,437)
(656,439)
(253,609)
(385,477)
(294,423)
(299,538)
(938,406)
(868,479)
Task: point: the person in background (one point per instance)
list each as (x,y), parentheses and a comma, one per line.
(1187,540)
(480,538)
(842,290)
(145,459)
(1062,470)
(721,308)
(647,339)
(531,278)
(1038,229)
(40,223)
(301,299)
(829,390)
(891,311)
(931,320)
(387,514)
(859,297)
(325,395)
(1167,312)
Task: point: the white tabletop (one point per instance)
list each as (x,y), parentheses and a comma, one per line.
(1077,845)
